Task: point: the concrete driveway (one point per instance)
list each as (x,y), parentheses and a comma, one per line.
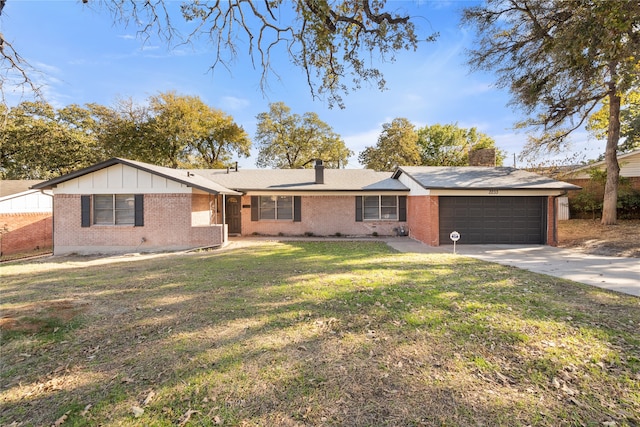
(613,273)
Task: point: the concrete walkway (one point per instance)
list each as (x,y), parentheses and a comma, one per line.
(613,273)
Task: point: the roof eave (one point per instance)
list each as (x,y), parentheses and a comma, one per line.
(114,161)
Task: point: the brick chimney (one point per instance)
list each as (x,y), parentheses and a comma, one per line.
(482,157)
(319,172)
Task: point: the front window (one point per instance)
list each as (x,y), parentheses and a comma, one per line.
(113,209)
(380,207)
(276,207)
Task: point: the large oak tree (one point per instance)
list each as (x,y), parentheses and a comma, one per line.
(397,146)
(40,142)
(450,145)
(171,130)
(560,58)
(290,141)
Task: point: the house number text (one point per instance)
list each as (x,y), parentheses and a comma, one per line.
(493,191)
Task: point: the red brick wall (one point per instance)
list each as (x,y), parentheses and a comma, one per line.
(423,216)
(322,216)
(25,232)
(423,219)
(167,226)
(552,221)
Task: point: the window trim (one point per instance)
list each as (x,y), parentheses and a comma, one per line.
(296,208)
(88,216)
(379,206)
(115,209)
(401,208)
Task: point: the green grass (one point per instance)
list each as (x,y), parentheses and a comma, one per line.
(314,333)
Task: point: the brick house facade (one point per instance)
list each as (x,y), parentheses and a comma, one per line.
(26,218)
(124,206)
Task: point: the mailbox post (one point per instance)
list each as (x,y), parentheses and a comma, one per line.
(454,236)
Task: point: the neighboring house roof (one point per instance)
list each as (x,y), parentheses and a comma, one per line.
(629,166)
(478,178)
(12,186)
(302,180)
(17,198)
(179,175)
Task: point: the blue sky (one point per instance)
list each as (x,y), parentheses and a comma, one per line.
(85,57)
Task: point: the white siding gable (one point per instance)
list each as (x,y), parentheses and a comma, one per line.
(120,179)
(415,189)
(32,201)
(629,167)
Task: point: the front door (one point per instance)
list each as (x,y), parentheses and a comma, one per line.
(233,215)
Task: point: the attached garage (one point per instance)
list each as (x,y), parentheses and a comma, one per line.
(506,220)
(485,205)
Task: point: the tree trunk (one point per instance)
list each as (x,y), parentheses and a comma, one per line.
(610,203)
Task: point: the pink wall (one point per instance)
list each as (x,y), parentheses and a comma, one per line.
(322,216)
(25,232)
(167,226)
(423,217)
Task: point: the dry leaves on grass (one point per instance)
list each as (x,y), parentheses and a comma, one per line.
(589,236)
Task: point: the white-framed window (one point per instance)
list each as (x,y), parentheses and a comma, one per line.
(114,209)
(276,207)
(380,208)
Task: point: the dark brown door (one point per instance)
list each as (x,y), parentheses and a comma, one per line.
(233,215)
(510,220)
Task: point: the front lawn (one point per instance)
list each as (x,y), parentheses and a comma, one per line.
(311,333)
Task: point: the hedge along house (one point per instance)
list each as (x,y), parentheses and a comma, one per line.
(124,206)
(485,205)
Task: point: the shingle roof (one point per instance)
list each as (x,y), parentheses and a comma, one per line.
(179,175)
(13,186)
(476,177)
(303,180)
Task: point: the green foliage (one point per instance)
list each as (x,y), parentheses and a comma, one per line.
(397,146)
(449,145)
(588,201)
(400,144)
(291,141)
(629,203)
(41,142)
(560,58)
(629,121)
(175,131)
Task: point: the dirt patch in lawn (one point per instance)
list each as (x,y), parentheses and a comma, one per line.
(43,316)
(313,334)
(588,236)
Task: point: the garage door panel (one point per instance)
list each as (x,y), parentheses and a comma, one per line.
(504,220)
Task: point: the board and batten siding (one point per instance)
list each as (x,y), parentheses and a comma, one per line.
(27,201)
(121,179)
